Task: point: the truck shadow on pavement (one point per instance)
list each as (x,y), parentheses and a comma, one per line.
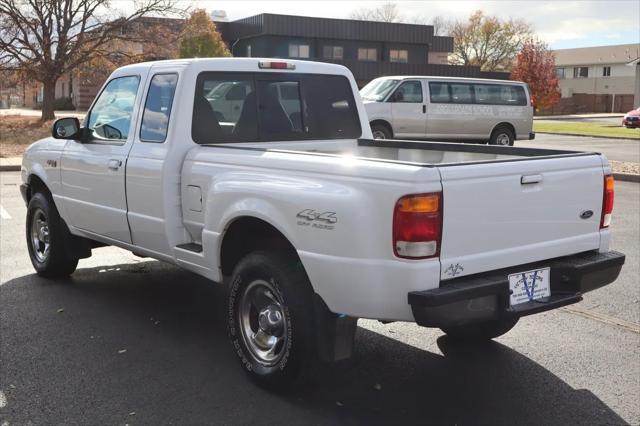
(146,343)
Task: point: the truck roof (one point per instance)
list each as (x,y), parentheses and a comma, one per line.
(239,64)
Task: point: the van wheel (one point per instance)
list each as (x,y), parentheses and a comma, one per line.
(270,320)
(47,238)
(481,331)
(502,136)
(380,131)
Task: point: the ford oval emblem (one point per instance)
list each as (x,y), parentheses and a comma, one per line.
(586,214)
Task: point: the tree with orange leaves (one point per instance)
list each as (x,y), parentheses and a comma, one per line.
(536,66)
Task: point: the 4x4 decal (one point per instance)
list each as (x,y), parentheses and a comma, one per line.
(324,220)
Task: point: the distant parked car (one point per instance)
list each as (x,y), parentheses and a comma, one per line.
(632,119)
(449,108)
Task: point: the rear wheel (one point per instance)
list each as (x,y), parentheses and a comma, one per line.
(270,319)
(48,238)
(380,131)
(481,331)
(502,136)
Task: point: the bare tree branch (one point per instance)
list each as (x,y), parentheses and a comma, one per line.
(46,39)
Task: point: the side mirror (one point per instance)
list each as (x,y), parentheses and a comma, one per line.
(66,128)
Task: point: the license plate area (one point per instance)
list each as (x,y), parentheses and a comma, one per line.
(529,286)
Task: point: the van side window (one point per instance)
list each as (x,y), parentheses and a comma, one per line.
(409,91)
(439,93)
(157,108)
(498,94)
(110,117)
(224,109)
(461,93)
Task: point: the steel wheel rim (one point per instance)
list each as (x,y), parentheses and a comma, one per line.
(502,139)
(263,324)
(40,238)
(379,135)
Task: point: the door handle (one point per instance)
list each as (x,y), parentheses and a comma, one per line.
(529,179)
(114,164)
(424,109)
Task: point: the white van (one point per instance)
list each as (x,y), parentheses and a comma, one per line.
(449,108)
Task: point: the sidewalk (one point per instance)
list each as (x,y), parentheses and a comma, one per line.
(36,113)
(10,164)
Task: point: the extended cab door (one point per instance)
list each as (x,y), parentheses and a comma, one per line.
(408,110)
(93,170)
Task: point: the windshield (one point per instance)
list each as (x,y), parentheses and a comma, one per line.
(378,89)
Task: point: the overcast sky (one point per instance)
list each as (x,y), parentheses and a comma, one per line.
(562,24)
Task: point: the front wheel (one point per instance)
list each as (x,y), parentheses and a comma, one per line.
(47,239)
(481,331)
(380,131)
(270,319)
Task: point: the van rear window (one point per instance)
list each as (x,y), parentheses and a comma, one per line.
(263,107)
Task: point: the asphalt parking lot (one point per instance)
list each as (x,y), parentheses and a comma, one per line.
(614,149)
(132,341)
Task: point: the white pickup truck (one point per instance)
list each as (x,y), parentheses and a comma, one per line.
(262,175)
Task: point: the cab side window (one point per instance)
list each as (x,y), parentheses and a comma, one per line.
(409,91)
(157,108)
(110,117)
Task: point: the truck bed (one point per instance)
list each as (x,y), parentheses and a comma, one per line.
(415,153)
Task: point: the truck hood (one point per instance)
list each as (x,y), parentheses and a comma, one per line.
(46,144)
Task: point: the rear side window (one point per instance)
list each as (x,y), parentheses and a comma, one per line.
(494,94)
(157,108)
(275,107)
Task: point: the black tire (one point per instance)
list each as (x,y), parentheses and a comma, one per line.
(292,292)
(502,136)
(380,131)
(54,261)
(481,331)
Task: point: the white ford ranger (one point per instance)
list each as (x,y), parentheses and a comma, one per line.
(262,175)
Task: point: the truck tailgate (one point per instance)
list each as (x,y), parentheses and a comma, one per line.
(502,214)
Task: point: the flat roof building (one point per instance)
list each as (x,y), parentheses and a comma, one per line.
(369,49)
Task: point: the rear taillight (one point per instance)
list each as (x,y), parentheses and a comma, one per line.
(607,202)
(417,226)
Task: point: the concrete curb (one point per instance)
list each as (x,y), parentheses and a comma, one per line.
(626,177)
(576,117)
(589,136)
(10,168)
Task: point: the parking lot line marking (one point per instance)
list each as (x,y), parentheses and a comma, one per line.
(3,400)
(607,319)
(4,214)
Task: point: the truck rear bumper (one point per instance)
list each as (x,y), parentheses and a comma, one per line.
(483,297)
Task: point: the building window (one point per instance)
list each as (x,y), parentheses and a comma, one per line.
(560,73)
(606,71)
(298,50)
(332,52)
(398,56)
(367,54)
(248,51)
(580,72)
